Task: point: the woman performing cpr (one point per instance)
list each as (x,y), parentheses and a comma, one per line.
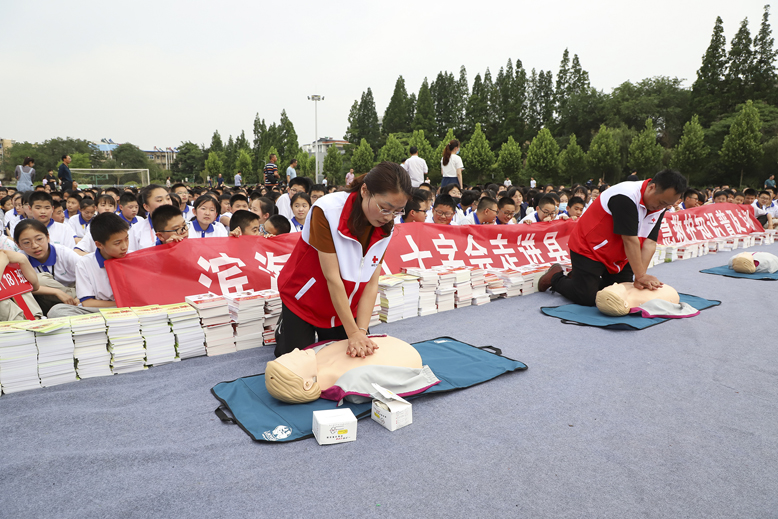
(329,284)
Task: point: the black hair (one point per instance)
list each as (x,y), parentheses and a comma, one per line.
(750,192)
(86,202)
(319,187)
(281,223)
(106,198)
(720,193)
(105,225)
(485,203)
(506,200)
(4,200)
(766,192)
(413,150)
(304,196)
(26,224)
(64,156)
(177,185)
(545,200)
(414,203)
(469,197)
(575,200)
(242,219)
(224,197)
(39,196)
(447,189)
(175,199)
(668,179)
(114,190)
(145,193)
(162,215)
(207,198)
(386,177)
(689,192)
(127,198)
(445,200)
(554,196)
(267,206)
(238,198)
(301,181)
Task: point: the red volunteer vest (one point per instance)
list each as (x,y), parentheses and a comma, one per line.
(303,287)
(593,235)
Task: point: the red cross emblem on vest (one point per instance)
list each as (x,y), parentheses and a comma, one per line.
(375,259)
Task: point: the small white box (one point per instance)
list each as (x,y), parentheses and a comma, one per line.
(334,426)
(390,410)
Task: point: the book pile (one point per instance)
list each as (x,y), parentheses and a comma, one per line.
(464,290)
(478,282)
(160,341)
(214,315)
(390,288)
(91,345)
(410,294)
(272,315)
(428,284)
(185,325)
(55,350)
(513,281)
(446,291)
(494,285)
(374,317)
(247,312)
(124,340)
(18,359)
(531,275)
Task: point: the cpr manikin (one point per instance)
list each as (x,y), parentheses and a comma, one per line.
(623,298)
(326,371)
(752,262)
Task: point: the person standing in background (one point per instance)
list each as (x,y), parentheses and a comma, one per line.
(451,165)
(349,177)
(238,179)
(271,172)
(416,167)
(64,175)
(167,183)
(25,175)
(291,171)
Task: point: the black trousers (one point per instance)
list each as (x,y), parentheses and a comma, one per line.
(586,279)
(294,332)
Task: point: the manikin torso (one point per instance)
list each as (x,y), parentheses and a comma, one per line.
(635,297)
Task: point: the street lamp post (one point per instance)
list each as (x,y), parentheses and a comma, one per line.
(316,99)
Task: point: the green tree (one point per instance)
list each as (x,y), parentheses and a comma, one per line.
(572,161)
(333,166)
(476,109)
(645,154)
(230,158)
(189,162)
(477,156)
(603,158)
(764,76)
(562,89)
(288,145)
(81,161)
(396,115)
(367,120)
(129,156)
(444,92)
(689,157)
(392,151)
(509,163)
(352,131)
(424,118)
(362,160)
(742,148)
(708,88)
(216,143)
(740,66)
(543,156)
(243,163)
(213,166)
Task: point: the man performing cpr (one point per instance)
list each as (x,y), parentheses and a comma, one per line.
(615,238)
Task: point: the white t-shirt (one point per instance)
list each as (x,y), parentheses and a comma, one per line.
(214,230)
(284,205)
(92,279)
(142,236)
(61,264)
(450,169)
(532,183)
(416,168)
(87,243)
(61,234)
(78,224)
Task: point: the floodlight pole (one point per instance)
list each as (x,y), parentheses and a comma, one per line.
(316,99)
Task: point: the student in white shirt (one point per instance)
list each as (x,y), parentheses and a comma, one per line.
(238,202)
(416,167)
(105,204)
(451,165)
(765,209)
(301,206)
(204,224)
(284,202)
(485,214)
(128,209)
(80,222)
(142,235)
(506,211)
(545,211)
(41,209)
(183,193)
(443,211)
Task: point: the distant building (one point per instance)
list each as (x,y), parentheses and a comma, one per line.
(325,143)
(162,158)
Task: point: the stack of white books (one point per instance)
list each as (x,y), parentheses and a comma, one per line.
(494,285)
(160,341)
(185,325)
(464,290)
(410,294)
(390,288)
(512,279)
(55,350)
(214,315)
(272,315)
(446,291)
(477,281)
(125,342)
(18,359)
(91,345)
(247,313)
(374,317)
(428,284)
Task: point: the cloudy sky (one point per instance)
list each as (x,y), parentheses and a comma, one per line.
(159,73)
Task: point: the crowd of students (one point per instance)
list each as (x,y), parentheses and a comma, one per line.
(62,239)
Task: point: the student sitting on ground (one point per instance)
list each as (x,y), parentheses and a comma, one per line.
(12,217)
(317,191)
(238,202)
(444,210)
(105,204)
(485,214)
(169,224)
(264,208)
(41,208)
(545,211)
(720,197)
(575,208)
(750,196)
(224,203)
(765,210)
(506,211)
(93,289)
(80,222)
(204,224)
(301,205)
(276,225)
(142,235)
(72,204)
(739,198)
(416,208)
(244,223)
(128,209)
(55,264)
(467,204)
(183,194)
(9,309)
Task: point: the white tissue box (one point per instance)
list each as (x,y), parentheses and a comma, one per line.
(334,426)
(390,410)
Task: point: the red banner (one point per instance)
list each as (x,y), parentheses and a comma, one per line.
(13,282)
(708,223)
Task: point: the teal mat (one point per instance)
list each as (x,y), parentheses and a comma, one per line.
(247,403)
(590,316)
(728,272)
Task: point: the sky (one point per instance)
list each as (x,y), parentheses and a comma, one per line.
(162,72)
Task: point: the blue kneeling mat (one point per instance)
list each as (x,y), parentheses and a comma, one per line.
(590,316)
(728,272)
(456,364)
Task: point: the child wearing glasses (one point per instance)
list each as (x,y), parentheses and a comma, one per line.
(545,211)
(485,214)
(169,224)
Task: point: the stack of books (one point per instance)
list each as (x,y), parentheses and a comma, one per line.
(160,341)
(446,291)
(18,359)
(494,285)
(272,315)
(124,340)
(390,288)
(91,345)
(185,325)
(247,313)
(512,279)
(478,282)
(464,290)
(428,284)
(55,350)
(214,315)
(410,294)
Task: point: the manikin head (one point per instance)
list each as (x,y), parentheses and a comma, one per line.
(744,263)
(291,378)
(612,300)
